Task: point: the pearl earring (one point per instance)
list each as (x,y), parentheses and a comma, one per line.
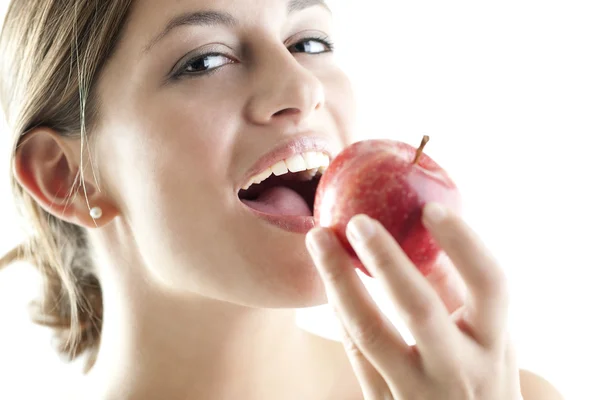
(96,213)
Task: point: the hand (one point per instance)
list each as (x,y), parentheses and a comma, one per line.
(462,355)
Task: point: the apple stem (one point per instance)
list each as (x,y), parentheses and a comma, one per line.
(420,149)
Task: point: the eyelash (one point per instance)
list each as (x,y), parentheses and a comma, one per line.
(181,72)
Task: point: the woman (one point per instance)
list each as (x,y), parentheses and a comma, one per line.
(137,126)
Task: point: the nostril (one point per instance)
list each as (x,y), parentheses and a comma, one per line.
(287,111)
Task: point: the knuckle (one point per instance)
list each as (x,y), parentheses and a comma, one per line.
(460,382)
(455,234)
(422,312)
(380,258)
(367,334)
(331,270)
(351,347)
(495,282)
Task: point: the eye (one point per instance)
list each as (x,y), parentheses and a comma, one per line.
(204,63)
(312,46)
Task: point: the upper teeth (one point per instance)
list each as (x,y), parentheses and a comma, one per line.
(311,162)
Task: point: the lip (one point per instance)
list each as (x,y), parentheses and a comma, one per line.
(299,145)
(290,223)
(286,150)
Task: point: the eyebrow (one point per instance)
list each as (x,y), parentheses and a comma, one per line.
(299,5)
(222,18)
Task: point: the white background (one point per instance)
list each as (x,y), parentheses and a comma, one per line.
(510,94)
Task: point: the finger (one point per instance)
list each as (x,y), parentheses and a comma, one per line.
(487,300)
(448,283)
(371,382)
(368,328)
(413,297)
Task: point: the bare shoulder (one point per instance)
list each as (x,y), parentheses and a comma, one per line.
(534,387)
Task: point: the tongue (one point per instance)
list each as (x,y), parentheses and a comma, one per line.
(280,200)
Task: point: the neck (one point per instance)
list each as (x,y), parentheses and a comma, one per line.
(158,345)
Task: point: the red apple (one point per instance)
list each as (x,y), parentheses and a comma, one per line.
(391,182)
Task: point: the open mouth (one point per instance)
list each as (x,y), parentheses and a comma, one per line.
(291,194)
(283,194)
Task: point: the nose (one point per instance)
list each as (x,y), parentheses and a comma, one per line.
(285,92)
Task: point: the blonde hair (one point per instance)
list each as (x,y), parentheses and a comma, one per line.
(52,54)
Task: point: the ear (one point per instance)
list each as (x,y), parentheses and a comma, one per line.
(46,166)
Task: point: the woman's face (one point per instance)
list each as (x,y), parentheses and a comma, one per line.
(196,94)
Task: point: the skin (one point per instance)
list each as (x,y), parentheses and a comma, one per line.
(199,294)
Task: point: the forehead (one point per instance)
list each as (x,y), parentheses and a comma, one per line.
(168,8)
(148,18)
(149,11)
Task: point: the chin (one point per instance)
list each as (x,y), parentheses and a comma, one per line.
(300,287)
(283,282)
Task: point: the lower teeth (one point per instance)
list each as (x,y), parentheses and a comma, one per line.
(308,175)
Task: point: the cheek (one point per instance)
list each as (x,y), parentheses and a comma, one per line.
(192,130)
(169,192)
(341,104)
(193,117)
(170,146)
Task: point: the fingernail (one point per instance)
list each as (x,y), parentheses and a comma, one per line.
(318,241)
(434,213)
(360,228)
